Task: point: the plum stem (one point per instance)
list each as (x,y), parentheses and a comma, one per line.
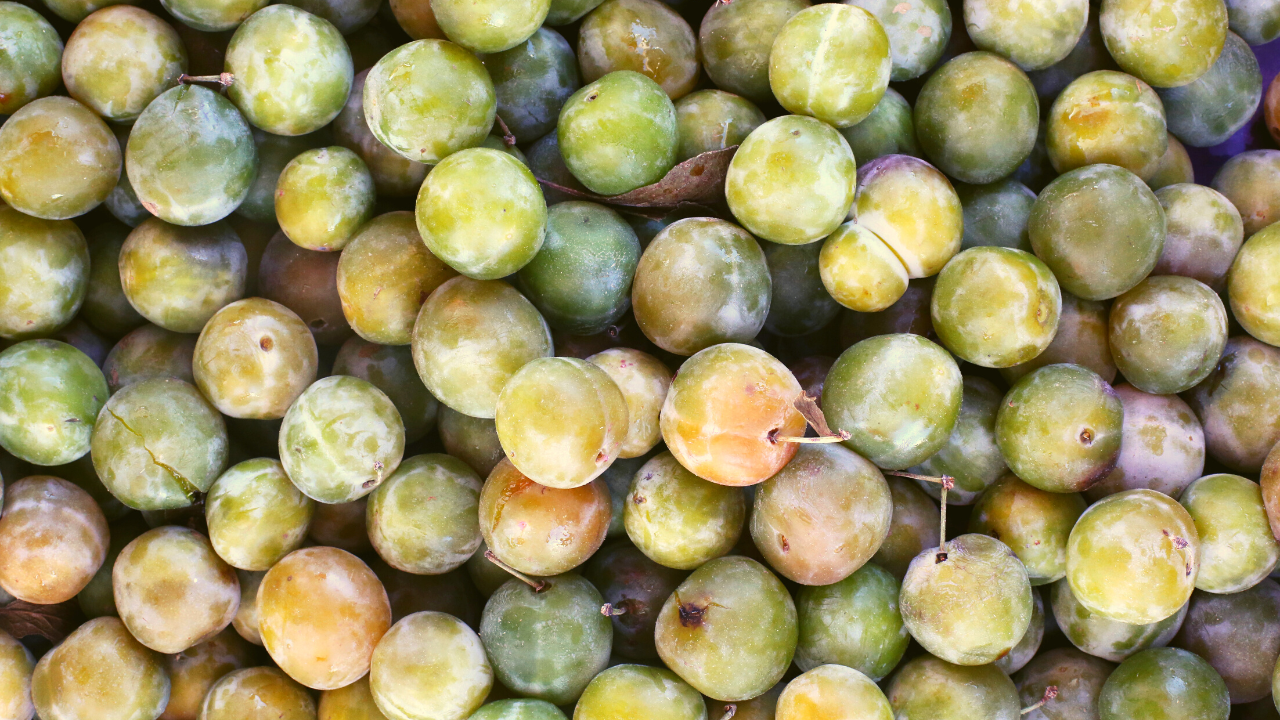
(947,482)
(809,440)
(537,585)
(807,406)
(508,138)
(1050,693)
(608,610)
(729,711)
(223,79)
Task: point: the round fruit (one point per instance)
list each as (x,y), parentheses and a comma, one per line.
(50,395)
(678,519)
(58,159)
(907,203)
(423,518)
(1237,549)
(53,538)
(255,515)
(99,671)
(429,665)
(45,273)
(1164,684)
(855,622)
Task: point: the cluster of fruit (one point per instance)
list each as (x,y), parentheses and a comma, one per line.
(519,359)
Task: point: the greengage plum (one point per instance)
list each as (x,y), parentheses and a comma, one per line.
(1167,333)
(178,277)
(855,622)
(100,672)
(1161,447)
(53,538)
(1204,234)
(259,693)
(644,36)
(678,519)
(1237,549)
(31,59)
(734,40)
(1168,48)
(1164,684)
(50,396)
(255,515)
(532,81)
(1035,524)
(712,120)
(970,456)
(1239,404)
(912,206)
(927,688)
(1105,638)
(45,273)
(58,159)
(1249,181)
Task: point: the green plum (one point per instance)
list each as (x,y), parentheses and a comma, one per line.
(678,519)
(977,117)
(390,369)
(122,202)
(1034,35)
(58,160)
(1237,549)
(430,666)
(16,666)
(712,120)
(1164,684)
(149,351)
(859,271)
(822,516)
(735,38)
(547,644)
(970,456)
(259,693)
(1107,117)
(889,130)
(619,133)
(625,691)
(481,212)
(701,281)
(799,302)
(996,214)
(729,630)
(340,439)
(1172,168)
(1257,22)
(323,197)
(1236,404)
(255,514)
(428,99)
(178,277)
(1239,635)
(918,34)
(1035,524)
(31,58)
(1081,340)
(292,70)
(212,15)
(564,12)
(489,26)
(1102,637)
(50,395)
(644,381)
(532,81)
(1204,234)
(1252,288)
(835,692)
(471,440)
(121,58)
(1161,448)
(792,179)
(1134,557)
(191,158)
(45,273)
(106,307)
(1215,105)
(423,518)
(927,688)
(1248,180)
(832,62)
(393,174)
(1100,229)
(1077,676)
(915,409)
(855,622)
(912,206)
(644,36)
(522,709)
(99,671)
(1029,645)
(1167,49)
(1167,333)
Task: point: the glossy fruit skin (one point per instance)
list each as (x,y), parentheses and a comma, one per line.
(149,351)
(644,36)
(1247,180)
(1204,234)
(481,212)
(340,439)
(178,277)
(393,174)
(322,644)
(970,456)
(1167,333)
(207,16)
(31,61)
(977,116)
(1257,23)
(1215,105)
(490,26)
(58,159)
(50,395)
(1234,404)
(1034,36)
(1162,446)
(833,691)
(423,518)
(912,415)
(927,688)
(859,271)
(385,273)
(305,281)
(353,702)
(712,120)
(831,62)
(734,42)
(1029,645)
(1164,684)
(430,666)
(1173,167)
(547,645)
(823,516)
(729,610)
(187,142)
(1081,340)
(532,81)
(522,709)
(792,179)
(472,440)
(390,369)
(912,206)
(323,197)
(678,519)
(255,515)
(856,622)
(54,538)
(799,303)
(158,444)
(1169,51)
(119,59)
(1107,117)
(100,671)
(258,693)
(1126,547)
(996,307)
(619,133)
(539,530)
(1237,548)
(16,665)
(888,130)
(627,690)
(1091,265)
(428,99)
(644,381)
(292,70)
(471,336)
(1078,677)
(629,580)
(1252,288)
(1035,524)
(723,429)
(105,306)
(172,591)
(44,275)
(254,358)
(1219,628)
(690,272)
(1105,638)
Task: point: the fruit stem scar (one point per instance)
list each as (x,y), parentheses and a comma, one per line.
(537,585)
(1050,693)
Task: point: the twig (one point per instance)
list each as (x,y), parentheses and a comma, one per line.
(508,138)
(537,585)
(947,482)
(807,406)
(224,79)
(1050,693)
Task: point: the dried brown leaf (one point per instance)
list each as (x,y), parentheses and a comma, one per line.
(699,179)
(808,407)
(52,622)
